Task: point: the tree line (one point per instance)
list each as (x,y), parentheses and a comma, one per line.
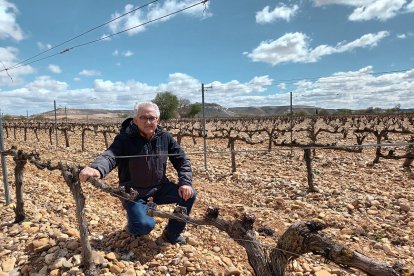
(173,107)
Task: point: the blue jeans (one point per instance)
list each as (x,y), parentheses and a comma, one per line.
(139,223)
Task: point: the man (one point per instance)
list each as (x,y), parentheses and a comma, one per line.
(146,147)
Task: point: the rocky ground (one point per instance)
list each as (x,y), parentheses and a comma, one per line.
(368,208)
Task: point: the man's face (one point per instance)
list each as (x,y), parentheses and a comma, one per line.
(147,121)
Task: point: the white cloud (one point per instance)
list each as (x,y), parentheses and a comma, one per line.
(89,73)
(294,47)
(282,86)
(381,10)
(353,89)
(181,79)
(43,46)
(8,26)
(234,89)
(369,9)
(54,69)
(291,47)
(101,85)
(128,53)
(282,12)
(405,35)
(183,86)
(410,7)
(44,84)
(258,84)
(38,96)
(128,21)
(8,58)
(367,40)
(358,89)
(138,17)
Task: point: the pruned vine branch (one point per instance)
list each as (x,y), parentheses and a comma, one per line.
(300,238)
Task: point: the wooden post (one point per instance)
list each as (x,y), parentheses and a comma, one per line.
(105,138)
(83,138)
(3,163)
(409,161)
(308,160)
(204,127)
(377,149)
(56,128)
(50,135)
(65,133)
(291,124)
(21,161)
(233,156)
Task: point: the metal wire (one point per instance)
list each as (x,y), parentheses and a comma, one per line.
(288,148)
(24,63)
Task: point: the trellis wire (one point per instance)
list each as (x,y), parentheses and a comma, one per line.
(286,148)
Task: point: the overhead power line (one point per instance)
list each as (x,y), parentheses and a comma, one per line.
(25,62)
(139,25)
(75,37)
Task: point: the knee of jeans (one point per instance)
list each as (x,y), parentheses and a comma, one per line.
(141,228)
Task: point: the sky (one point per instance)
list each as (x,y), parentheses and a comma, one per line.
(351,54)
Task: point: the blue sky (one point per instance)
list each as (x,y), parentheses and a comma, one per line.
(328,53)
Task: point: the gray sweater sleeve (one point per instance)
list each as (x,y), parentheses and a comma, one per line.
(107,161)
(180,162)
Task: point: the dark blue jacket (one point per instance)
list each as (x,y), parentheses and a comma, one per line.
(143,173)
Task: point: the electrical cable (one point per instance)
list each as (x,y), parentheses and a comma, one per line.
(102,38)
(17,65)
(137,26)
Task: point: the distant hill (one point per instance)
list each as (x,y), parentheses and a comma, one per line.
(84,112)
(273,110)
(212,110)
(90,114)
(215,110)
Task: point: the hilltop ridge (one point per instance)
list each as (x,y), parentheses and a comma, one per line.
(212,110)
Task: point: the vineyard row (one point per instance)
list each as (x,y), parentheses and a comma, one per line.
(337,133)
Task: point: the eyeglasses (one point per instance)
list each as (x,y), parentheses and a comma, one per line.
(144,119)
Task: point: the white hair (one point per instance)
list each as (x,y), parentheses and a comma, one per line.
(138,106)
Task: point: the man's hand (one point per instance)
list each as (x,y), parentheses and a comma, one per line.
(88,172)
(186,192)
